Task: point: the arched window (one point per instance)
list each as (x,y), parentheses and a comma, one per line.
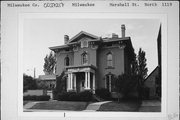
(84,58)
(109,60)
(66,61)
(110,83)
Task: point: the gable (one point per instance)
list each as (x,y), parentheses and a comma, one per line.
(82,36)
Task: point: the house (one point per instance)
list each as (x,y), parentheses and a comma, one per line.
(47,81)
(153,81)
(90,62)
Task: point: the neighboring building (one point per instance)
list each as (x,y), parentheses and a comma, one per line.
(153,81)
(47,82)
(91,62)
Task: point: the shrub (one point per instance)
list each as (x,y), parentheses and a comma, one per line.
(64,96)
(73,96)
(103,93)
(85,96)
(37,98)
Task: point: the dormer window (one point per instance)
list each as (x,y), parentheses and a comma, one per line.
(84,44)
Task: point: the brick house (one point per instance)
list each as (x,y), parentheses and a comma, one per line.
(90,62)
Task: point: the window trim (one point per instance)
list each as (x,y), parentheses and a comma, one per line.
(109,81)
(109,63)
(65,61)
(82,44)
(82,58)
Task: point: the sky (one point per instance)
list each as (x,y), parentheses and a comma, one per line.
(40,34)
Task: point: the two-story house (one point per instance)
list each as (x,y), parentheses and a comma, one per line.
(91,62)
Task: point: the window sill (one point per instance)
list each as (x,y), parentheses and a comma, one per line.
(109,68)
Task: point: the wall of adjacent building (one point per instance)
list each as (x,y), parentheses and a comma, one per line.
(151,82)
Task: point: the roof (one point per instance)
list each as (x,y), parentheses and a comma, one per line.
(74,40)
(80,35)
(59,47)
(81,66)
(115,39)
(151,73)
(47,77)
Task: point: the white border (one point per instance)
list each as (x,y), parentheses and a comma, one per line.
(161,17)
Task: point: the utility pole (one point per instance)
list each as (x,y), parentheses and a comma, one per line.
(34,73)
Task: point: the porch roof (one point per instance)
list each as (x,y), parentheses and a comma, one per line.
(82,66)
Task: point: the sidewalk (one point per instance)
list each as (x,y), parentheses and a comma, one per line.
(90,108)
(150,106)
(29,105)
(95,106)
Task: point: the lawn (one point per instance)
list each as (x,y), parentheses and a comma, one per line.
(121,106)
(25,102)
(61,105)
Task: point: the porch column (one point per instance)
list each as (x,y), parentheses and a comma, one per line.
(85,80)
(94,83)
(88,80)
(71,80)
(74,82)
(68,82)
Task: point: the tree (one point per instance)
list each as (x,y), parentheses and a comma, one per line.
(50,62)
(142,69)
(126,84)
(60,84)
(29,83)
(134,67)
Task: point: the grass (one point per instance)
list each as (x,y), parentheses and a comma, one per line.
(25,102)
(150,109)
(121,106)
(61,105)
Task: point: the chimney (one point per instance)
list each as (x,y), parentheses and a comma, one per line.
(114,35)
(123,30)
(66,39)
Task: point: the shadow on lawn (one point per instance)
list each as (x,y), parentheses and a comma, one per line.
(123,105)
(61,105)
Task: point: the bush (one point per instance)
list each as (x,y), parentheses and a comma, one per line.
(37,98)
(85,96)
(103,93)
(73,96)
(65,96)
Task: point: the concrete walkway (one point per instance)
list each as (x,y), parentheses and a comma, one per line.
(95,106)
(29,105)
(90,108)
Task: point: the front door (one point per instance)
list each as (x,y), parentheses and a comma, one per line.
(80,79)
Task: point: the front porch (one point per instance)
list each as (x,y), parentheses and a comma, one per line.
(81,78)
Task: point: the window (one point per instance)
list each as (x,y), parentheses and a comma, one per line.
(110,83)
(109,60)
(66,61)
(84,58)
(84,44)
(82,83)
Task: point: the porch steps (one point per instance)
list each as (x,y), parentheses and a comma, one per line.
(97,98)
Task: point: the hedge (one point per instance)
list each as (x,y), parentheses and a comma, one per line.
(103,93)
(37,98)
(73,96)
